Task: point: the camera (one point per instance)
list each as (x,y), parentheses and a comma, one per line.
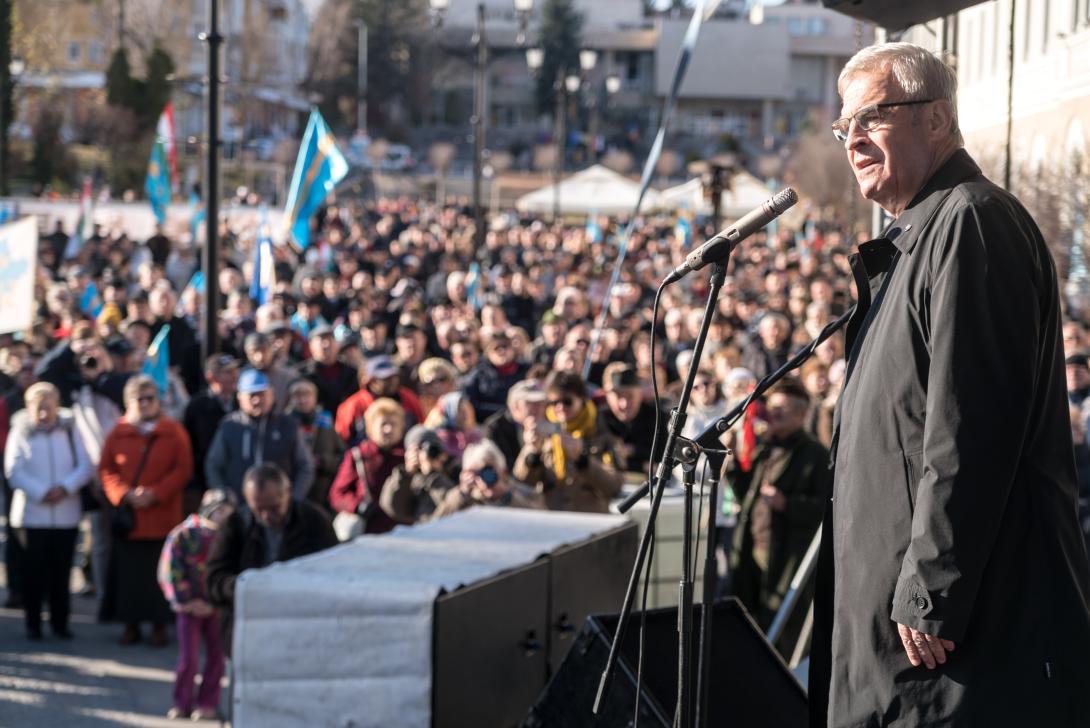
(433,450)
(89,361)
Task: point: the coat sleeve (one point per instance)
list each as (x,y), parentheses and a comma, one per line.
(215,460)
(304,467)
(21,471)
(223,563)
(182,457)
(806,506)
(983,315)
(113,485)
(82,470)
(346,415)
(397,499)
(346,492)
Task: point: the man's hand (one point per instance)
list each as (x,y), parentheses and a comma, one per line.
(924,648)
(774,497)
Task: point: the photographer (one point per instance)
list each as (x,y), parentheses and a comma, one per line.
(415,489)
(484,481)
(78,362)
(568,457)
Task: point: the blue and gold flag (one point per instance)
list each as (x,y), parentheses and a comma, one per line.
(318,169)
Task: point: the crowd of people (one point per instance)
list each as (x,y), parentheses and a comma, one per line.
(396,374)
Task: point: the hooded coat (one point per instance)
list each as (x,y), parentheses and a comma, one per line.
(954,497)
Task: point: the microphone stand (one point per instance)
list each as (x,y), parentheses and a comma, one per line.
(689,450)
(685,588)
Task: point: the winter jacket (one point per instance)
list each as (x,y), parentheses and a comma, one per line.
(240,545)
(202,418)
(184,561)
(34,461)
(242,441)
(167,468)
(335,383)
(349,495)
(349,422)
(588,483)
(487,387)
(326,450)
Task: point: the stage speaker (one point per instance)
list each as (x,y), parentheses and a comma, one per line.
(751,687)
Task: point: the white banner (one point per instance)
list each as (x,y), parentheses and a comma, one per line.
(18,261)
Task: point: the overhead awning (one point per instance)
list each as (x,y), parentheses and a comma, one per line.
(898,14)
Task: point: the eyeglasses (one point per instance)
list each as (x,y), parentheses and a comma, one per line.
(869,117)
(562,401)
(146,398)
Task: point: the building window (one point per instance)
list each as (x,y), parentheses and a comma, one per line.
(796,27)
(94,51)
(818,26)
(73,52)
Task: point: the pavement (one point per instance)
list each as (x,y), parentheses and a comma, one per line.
(90,681)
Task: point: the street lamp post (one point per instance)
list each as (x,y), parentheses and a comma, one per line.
(480,102)
(210,340)
(361,75)
(588,59)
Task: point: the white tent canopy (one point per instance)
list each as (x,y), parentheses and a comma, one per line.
(595,190)
(745,193)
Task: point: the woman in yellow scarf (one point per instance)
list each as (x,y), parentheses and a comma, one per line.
(567,457)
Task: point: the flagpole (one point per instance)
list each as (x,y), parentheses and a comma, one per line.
(210,339)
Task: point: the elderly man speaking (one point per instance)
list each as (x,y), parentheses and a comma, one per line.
(952,586)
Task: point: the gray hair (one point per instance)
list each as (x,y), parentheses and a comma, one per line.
(486,452)
(917,71)
(265,475)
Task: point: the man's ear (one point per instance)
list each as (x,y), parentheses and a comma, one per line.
(940,118)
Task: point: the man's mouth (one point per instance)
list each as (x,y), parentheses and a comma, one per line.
(864,163)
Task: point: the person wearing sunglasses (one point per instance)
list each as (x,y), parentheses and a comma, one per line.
(568,458)
(952,585)
(146,462)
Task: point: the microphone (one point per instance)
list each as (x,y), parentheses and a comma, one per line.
(720,246)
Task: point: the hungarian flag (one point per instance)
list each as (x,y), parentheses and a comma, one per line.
(164,130)
(162,165)
(84,226)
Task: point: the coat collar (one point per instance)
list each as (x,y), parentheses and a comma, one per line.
(905,230)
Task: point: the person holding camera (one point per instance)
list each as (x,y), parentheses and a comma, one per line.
(357,489)
(416,489)
(485,481)
(568,457)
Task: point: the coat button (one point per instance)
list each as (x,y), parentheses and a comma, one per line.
(921,603)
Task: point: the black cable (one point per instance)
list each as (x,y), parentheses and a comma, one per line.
(650,478)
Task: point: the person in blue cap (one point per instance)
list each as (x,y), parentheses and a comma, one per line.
(255,434)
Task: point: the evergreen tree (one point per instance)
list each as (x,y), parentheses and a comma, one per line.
(561,29)
(156,86)
(119,80)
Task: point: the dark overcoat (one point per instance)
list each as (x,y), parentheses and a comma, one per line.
(804,478)
(954,500)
